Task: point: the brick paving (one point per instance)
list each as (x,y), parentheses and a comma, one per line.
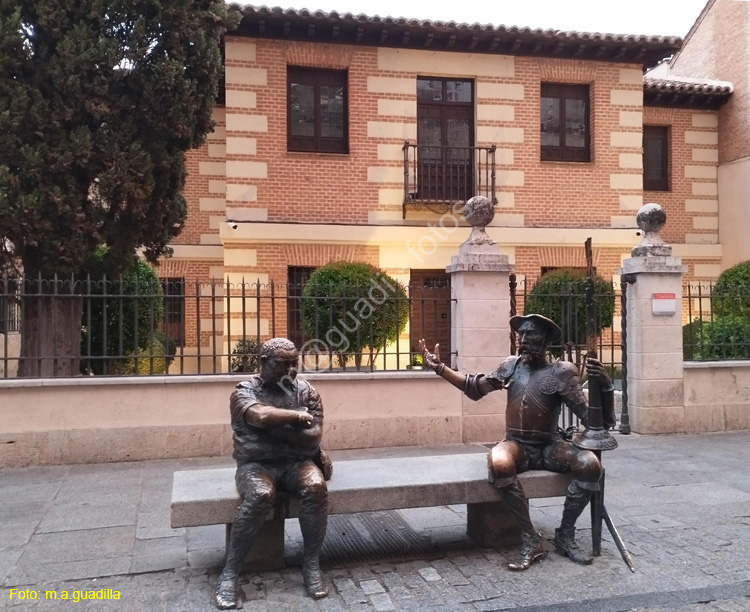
(681,503)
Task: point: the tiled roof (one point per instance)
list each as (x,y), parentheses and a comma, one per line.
(346,28)
(685,91)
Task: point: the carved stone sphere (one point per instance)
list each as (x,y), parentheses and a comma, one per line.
(479,211)
(651,218)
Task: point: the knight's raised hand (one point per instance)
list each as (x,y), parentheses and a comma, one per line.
(431,361)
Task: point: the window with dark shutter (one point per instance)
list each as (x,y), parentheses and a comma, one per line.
(565,124)
(317,118)
(655,158)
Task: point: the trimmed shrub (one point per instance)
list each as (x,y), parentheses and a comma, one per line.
(170,346)
(121,315)
(151,361)
(731,293)
(692,333)
(350,306)
(724,338)
(245,356)
(560,295)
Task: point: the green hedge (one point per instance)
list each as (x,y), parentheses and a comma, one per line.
(731,293)
(245,356)
(727,337)
(347,307)
(560,295)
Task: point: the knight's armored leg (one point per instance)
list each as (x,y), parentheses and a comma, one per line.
(312,491)
(502,466)
(587,471)
(258,494)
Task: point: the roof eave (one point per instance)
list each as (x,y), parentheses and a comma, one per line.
(318,26)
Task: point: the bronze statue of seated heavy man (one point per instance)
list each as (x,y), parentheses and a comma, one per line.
(277,422)
(536,391)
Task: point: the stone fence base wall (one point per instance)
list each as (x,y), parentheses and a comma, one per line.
(717,396)
(86,420)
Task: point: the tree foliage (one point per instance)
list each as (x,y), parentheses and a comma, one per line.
(99,101)
(560,295)
(349,306)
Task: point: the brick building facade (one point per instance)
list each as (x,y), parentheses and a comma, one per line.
(279,186)
(716,50)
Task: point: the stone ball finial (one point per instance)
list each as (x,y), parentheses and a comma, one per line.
(651,219)
(479,212)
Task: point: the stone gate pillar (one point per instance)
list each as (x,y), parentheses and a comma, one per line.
(654,330)
(480,332)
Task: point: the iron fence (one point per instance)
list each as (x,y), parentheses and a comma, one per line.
(718,322)
(567,307)
(125,327)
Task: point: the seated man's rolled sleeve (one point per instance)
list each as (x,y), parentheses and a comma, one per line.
(242,399)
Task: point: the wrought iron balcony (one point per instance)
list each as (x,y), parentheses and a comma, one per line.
(436,177)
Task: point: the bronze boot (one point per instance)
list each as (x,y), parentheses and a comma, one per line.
(313,577)
(531,552)
(565,544)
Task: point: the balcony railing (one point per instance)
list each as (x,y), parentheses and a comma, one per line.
(436,177)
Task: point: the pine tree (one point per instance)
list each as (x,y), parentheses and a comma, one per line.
(99,101)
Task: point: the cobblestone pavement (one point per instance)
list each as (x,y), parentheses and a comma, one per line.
(681,504)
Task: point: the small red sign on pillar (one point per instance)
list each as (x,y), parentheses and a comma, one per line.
(663,303)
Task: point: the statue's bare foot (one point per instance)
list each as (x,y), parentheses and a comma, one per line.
(228,595)
(313,576)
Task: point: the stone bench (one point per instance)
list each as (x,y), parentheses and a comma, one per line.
(209,497)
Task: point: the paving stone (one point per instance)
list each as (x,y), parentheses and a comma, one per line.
(206,558)
(353,597)
(430,518)
(79,545)
(33,475)
(370,587)
(430,574)
(70,570)
(382,602)
(112,495)
(87,515)
(23,511)
(13,535)
(151,525)
(8,560)
(344,584)
(43,491)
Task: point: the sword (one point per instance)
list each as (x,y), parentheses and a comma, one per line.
(618,540)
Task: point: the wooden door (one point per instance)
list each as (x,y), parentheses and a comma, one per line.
(430,314)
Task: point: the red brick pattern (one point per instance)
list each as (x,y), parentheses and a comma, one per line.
(679,222)
(719,48)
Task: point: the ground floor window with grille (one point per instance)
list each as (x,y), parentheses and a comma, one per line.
(174,309)
(297,277)
(10,306)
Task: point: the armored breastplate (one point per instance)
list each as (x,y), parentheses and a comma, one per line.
(533,405)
